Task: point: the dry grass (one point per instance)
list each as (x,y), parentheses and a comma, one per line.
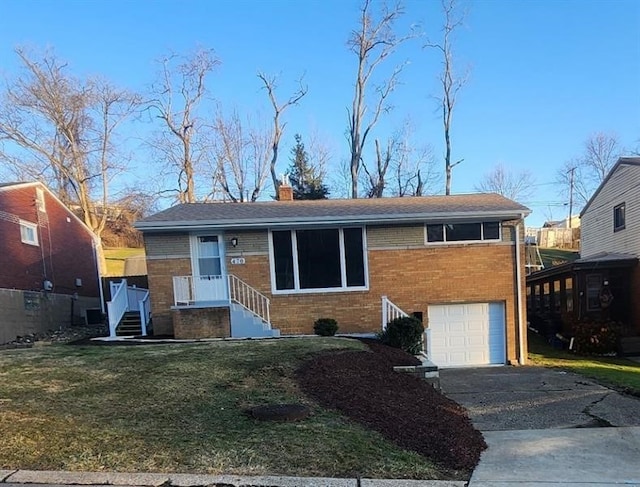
(181,408)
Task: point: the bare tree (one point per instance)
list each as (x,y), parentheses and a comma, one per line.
(451,83)
(414,172)
(278,126)
(62,131)
(580,176)
(401,169)
(242,154)
(372,42)
(518,186)
(177,97)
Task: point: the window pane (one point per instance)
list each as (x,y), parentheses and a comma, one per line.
(283,259)
(318,258)
(619,217)
(435,233)
(209,266)
(594,283)
(354,255)
(463,231)
(491,230)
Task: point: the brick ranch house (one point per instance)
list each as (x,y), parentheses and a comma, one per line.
(47,259)
(265,268)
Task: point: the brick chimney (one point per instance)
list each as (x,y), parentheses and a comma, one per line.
(285,191)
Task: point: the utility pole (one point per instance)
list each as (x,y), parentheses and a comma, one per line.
(571,171)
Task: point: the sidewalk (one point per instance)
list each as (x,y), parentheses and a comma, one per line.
(594,457)
(18,478)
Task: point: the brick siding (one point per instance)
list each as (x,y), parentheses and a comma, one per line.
(65,251)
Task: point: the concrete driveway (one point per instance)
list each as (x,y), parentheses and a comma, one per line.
(546,427)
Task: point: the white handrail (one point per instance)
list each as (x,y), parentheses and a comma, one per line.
(390,312)
(249,298)
(144,305)
(117,307)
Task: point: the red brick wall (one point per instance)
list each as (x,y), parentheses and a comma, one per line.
(65,250)
(160,273)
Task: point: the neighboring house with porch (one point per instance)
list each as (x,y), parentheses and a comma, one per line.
(265,268)
(605,282)
(48,265)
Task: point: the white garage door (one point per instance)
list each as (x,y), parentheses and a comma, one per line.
(466,334)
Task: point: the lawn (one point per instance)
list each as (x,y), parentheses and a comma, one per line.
(618,373)
(182,408)
(115,259)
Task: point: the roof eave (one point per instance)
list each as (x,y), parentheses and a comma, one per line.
(309,221)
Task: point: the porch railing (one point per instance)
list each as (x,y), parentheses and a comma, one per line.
(117,307)
(144,307)
(127,298)
(188,290)
(249,298)
(390,312)
(191,290)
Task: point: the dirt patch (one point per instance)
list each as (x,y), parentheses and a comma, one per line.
(404,409)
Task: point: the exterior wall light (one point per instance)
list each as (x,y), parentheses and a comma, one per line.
(234,241)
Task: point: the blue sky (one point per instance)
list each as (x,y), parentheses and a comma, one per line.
(544,74)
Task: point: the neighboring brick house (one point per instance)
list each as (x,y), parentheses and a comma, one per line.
(42,240)
(454,261)
(605,282)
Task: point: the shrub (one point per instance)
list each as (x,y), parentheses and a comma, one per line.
(405,333)
(596,338)
(325,327)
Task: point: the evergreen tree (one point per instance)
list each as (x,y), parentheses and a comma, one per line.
(305,178)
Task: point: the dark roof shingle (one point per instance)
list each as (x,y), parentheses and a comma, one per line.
(269,213)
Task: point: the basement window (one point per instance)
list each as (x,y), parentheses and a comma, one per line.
(28,233)
(317,260)
(619,220)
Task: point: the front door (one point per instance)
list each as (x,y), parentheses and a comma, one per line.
(209,281)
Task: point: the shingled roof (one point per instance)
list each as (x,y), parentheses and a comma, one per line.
(334,211)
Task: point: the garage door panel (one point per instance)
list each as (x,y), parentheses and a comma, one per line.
(467,334)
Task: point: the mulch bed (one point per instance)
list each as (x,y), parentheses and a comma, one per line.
(404,409)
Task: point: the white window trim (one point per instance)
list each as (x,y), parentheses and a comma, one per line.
(32,226)
(463,242)
(343,268)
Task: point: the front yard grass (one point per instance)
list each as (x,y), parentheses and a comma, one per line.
(619,373)
(181,408)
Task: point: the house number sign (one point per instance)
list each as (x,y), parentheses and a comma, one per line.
(238,261)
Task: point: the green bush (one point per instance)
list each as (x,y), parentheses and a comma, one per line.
(405,333)
(325,327)
(596,338)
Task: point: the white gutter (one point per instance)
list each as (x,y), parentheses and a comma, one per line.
(522,330)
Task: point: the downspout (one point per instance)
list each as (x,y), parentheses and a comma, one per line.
(521,328)
(95,242)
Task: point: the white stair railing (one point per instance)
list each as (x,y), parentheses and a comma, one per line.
(249,298)
(390,312)
(144,306)
(117,307)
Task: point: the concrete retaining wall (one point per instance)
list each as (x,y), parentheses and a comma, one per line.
(25,312)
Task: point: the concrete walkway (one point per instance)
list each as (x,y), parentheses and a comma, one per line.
(571,457)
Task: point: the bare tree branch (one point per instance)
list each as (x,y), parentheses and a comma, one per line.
(176,100)
(450,82)
(278,126)
(372,42)
(518,186)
